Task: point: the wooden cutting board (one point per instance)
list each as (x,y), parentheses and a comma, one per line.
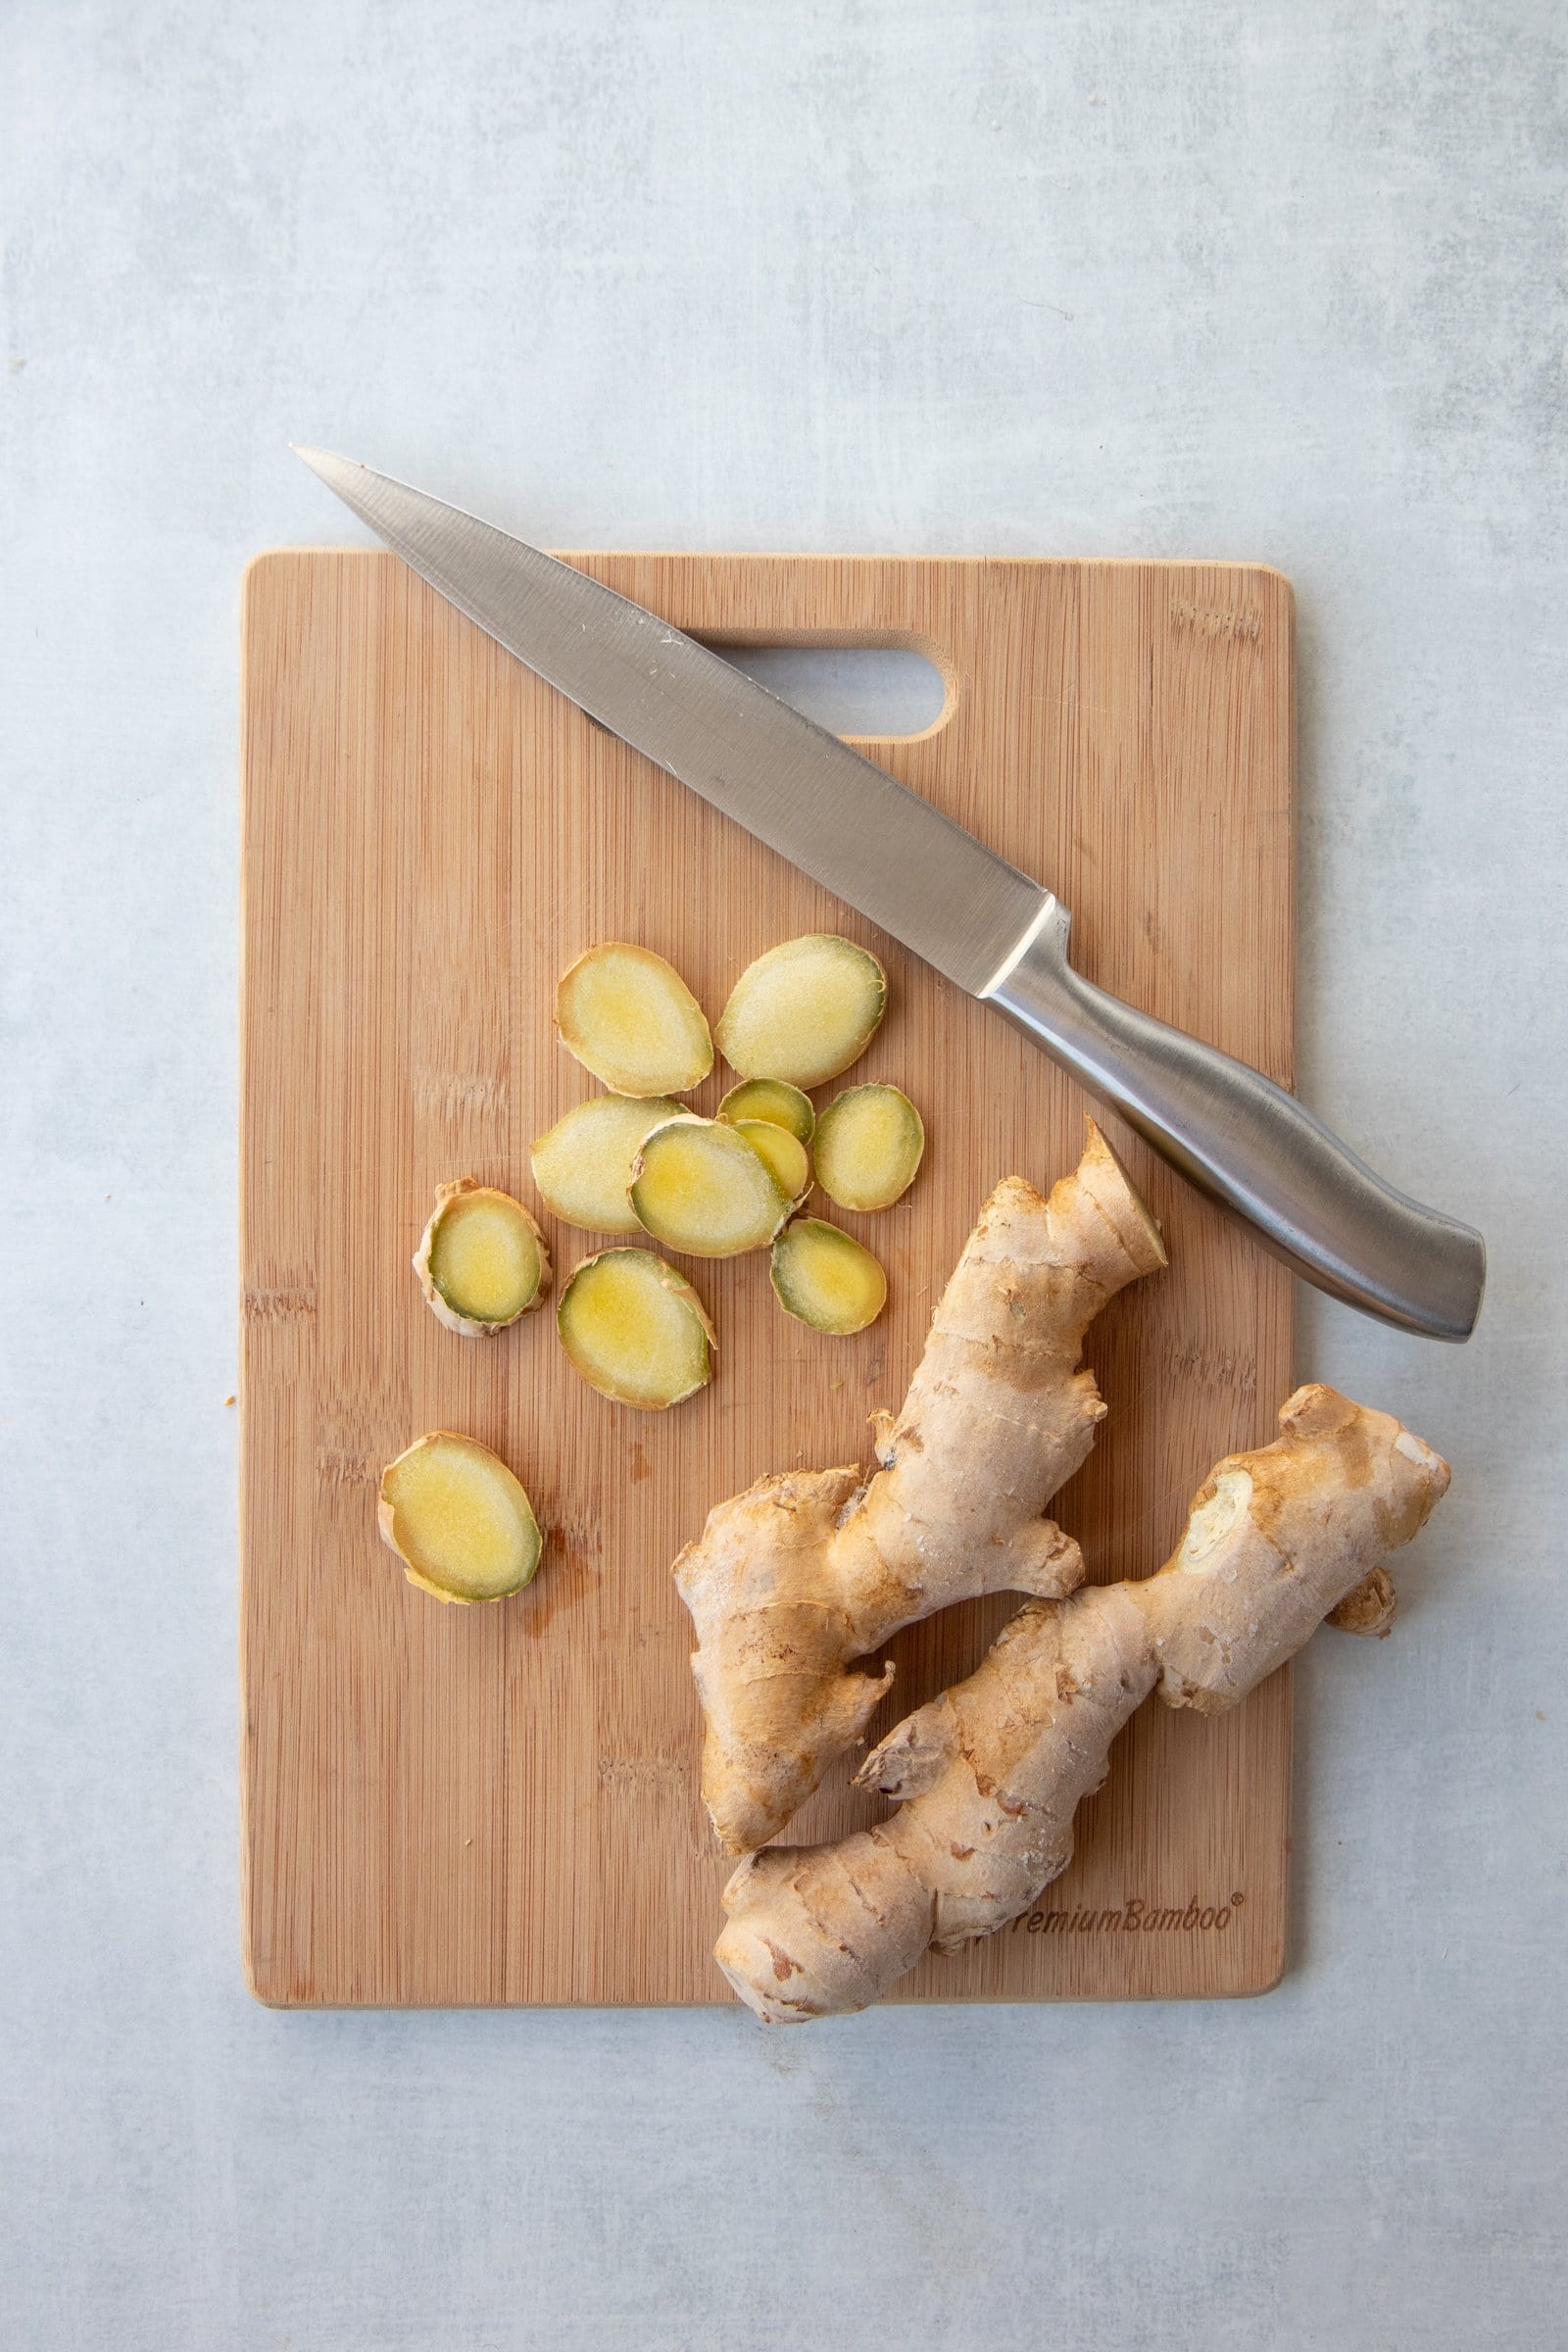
(500,1805)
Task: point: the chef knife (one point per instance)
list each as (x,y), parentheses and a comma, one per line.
(989,928)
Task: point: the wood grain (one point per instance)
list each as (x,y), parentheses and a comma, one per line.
(500,1805)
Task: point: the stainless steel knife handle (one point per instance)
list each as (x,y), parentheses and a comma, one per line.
(1249,1146)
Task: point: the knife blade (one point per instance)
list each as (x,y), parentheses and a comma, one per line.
(990,929)
(841,819)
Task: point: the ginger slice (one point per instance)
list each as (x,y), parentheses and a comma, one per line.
(771,1100)
(699,1186)
(482,1260)
(793,1581)
(988,1776)
(628,1016)
(457,1519)
(870,1142)
(803,1011)
(636,1330)
(827,1278)
(583,1165)
(782,1152)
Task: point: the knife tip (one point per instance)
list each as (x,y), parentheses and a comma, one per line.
(324,462)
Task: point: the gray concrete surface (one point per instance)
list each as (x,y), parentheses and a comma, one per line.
(1240,277)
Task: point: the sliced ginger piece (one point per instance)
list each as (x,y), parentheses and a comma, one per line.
(870,1142)
(771,1100)
(827,1278)
(482,1260)
(782,1152)
(583,1165)
(628,1016)
(700,1186)
(457,1519)
(636,1330)
(803,1011)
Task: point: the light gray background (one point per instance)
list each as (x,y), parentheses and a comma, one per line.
(1259,280)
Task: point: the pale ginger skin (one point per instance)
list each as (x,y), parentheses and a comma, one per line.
(988,1776)
(807,1571)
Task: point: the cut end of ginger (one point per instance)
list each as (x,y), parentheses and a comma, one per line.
(459,1520)
(583,1165)
(628,1016)
(803,1011)
(769,1099)
(482,1260)
(782,1154)
(870,1142)
(635,1330)
(699,1186)
(827,1279)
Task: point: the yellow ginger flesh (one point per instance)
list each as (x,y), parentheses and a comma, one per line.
(699,1186)
(635,1330)
(583,1165)
(485,1259)
(803,1011)
(827,1279)
(810,1570)
(769,1099)
(458,1519)
(628,1016)
(988,1776)
(783,1154)
(482,1260)
(870,1142)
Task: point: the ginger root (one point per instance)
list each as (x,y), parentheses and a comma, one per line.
(807,1571)
(988,1776)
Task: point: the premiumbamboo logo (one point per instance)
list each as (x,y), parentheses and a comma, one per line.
(1136,1916)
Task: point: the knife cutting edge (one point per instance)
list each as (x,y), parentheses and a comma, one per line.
(1242,1141)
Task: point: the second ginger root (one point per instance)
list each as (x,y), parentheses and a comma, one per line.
(988,1776)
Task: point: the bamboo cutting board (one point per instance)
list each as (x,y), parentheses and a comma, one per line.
(500,1805)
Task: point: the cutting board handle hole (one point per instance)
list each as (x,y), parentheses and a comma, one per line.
(879,690)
